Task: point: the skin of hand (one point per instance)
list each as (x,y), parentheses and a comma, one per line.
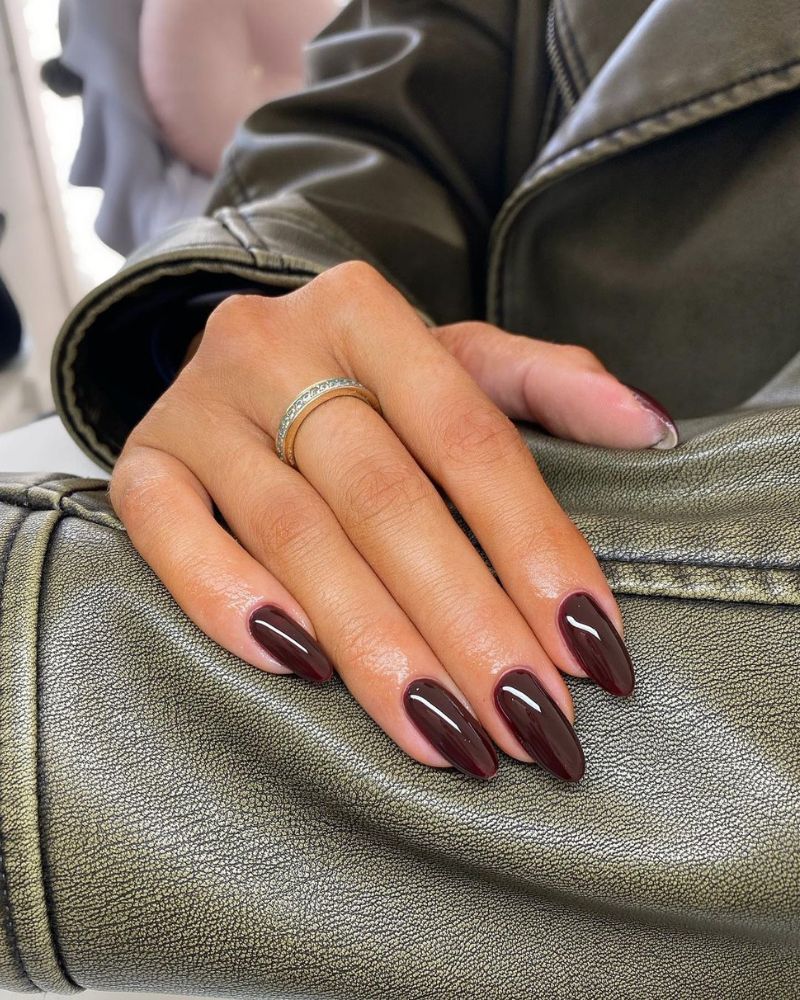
(353,559)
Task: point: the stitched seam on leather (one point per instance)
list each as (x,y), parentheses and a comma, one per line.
(743,566)
(226,218)
(710,583)
(695,101)
(338,239)
(5,898)
(27,562)
(494,304)
(40,779)
(752,574)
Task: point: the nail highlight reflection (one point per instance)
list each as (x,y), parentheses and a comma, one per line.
(539,724)
(289,643)
(450,728)
(595,643)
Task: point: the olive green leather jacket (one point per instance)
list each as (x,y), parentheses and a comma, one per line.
(624,175)
(621,175)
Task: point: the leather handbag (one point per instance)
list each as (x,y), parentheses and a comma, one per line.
(172,819)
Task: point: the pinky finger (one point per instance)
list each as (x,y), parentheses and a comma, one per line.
(229,595)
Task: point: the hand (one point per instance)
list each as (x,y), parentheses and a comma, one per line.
(353,558)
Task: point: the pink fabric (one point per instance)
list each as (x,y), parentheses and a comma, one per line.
(206,64)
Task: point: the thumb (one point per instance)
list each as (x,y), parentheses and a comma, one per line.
(563,387)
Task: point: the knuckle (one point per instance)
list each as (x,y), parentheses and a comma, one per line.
(476,434)
(136,490)
(345,292)
(382,491)
(581,357)
(235,309)
(288,525)
(359,646)
(234,332)
(351,275)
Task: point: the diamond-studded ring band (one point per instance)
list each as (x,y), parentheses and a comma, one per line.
(309,399)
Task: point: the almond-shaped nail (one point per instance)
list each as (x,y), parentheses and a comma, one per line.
(670,437)
(450,727)
(539,724)
(595,643)
(289,643)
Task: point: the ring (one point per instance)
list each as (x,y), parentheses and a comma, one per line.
(309,399)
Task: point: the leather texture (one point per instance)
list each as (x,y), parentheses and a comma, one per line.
(172,819)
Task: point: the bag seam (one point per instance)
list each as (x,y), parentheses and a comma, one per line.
(5,896)
(625,560)
(40,777)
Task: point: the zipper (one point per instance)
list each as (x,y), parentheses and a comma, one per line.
(565,81)
(561,99)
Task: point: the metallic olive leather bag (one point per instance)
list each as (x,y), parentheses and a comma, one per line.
(173,819)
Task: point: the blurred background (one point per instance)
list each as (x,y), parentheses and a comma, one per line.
(113,116)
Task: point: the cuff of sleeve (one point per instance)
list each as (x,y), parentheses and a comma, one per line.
(105,375)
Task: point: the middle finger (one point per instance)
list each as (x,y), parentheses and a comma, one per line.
(395,517)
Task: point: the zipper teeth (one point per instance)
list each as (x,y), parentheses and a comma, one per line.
(558,62)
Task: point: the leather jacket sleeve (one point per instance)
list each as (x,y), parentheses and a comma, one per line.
(394,153)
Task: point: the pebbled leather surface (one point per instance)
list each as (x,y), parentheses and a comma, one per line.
(208,828)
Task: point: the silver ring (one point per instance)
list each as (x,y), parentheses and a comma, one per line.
(309,399)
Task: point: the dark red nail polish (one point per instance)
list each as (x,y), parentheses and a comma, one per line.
(290,644)
(671,436)
(539,724)
(450,727)
(596,643)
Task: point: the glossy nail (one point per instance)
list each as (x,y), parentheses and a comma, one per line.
(290,644)
(595,643)
(450,727)
(539,724)
(670,437)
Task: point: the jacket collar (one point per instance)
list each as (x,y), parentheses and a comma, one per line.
(650,65)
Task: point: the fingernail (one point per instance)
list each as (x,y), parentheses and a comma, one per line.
(451,728)
(595,643)
(539,724)
(670,436)
(289,643)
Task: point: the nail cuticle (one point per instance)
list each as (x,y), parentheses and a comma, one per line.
(450,728)
(289,644)
(595,643)
(541,727)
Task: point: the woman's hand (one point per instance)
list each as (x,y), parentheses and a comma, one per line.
(353,558)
